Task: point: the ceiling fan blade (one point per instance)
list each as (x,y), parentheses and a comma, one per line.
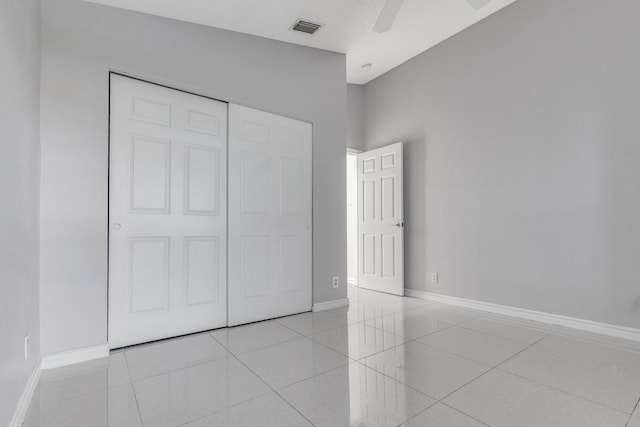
(387,16)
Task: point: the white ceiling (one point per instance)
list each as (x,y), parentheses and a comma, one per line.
(348,24)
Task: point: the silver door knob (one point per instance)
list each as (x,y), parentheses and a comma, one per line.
(117,226)
(397,224)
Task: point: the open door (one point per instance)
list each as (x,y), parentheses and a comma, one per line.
(381,220)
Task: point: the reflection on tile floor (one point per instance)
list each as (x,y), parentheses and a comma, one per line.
(384,361)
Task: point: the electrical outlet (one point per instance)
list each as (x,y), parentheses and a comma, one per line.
(434,277)
(336,282)
(27,347)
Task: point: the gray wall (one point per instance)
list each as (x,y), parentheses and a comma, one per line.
(523,158)
(355,117)
(19,206)
(81,43)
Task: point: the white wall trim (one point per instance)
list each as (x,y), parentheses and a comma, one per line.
(75,356)
(27,395)
(554,319)
(328,305)
(353,151)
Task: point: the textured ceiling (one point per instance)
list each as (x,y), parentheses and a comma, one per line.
(348,24)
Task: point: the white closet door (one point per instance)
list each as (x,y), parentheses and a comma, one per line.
(167,212)
(269,215)
(381,220)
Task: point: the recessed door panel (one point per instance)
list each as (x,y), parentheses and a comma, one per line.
(254,261)
(387,161)
(202,176)
(202,270)
(255,131)
(292,186)
(255,183)
(369,254)
(149,274)
(199,121)
(388,256)
(368,165)
(293,264)
(150,175)
(151,110)
(388,198)
(368,200)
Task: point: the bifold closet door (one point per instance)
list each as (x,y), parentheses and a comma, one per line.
(167,212)
(269,215)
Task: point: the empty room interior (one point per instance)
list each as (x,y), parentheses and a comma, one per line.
(319,213)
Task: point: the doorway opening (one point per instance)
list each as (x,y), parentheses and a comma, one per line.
(352,218)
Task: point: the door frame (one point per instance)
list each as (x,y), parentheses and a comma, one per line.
(353,153)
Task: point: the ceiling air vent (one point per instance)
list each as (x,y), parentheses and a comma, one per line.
(306,26)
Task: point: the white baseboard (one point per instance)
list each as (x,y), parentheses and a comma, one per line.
(328,305)
(553,319)
(27,395)
(75,356)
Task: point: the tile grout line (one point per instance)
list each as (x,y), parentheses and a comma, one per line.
(135,395)
(552,387)
(521,351)
(362,361)
(565,392)
(231,355)
(464,413)
(350,360)
(274,390)
(419,413)
(632,413)
(549,386)
(598,343)
(182,368)
(588,360)
(307,336)
(482,375)
(605,340)
(362,358)
(260,348)
(461,325)
(199,363)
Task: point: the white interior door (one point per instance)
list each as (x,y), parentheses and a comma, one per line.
(269,215)
(167,212)
(380,220)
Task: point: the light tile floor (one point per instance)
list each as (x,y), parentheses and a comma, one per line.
(384,361)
